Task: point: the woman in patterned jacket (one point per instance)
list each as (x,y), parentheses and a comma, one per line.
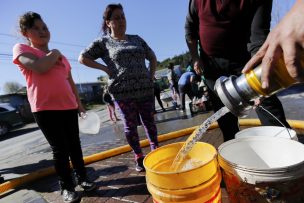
(130,81)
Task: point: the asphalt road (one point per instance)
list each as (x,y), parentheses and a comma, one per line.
(25,149)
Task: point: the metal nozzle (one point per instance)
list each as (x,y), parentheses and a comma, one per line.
(235,93)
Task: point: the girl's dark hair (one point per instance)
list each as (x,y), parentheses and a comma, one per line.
(107,15)
(26,21)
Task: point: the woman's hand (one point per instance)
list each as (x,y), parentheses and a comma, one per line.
(81,110)
(94,64)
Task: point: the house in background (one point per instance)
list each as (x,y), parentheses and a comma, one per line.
(90,92)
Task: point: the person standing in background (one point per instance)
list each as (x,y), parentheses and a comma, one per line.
(54,102)
(157,95)
(130,81)
(173,81)
(107,98)
(222,36)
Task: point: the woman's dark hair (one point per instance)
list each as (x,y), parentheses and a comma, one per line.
(107,16)
(27,20)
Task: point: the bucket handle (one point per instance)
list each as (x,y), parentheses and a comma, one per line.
(260,106)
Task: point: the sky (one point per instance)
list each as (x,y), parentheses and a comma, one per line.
(74,24)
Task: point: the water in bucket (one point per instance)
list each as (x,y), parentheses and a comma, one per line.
(181,162)
(196,185)
(185,172)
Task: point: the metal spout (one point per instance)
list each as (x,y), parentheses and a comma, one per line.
(235,93)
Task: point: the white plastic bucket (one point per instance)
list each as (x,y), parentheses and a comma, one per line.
(272,131)
(89,123)
(262,168)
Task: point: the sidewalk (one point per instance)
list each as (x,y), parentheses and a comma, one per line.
(116,177)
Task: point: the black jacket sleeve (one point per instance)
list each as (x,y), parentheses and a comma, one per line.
(260,26)
(192,22)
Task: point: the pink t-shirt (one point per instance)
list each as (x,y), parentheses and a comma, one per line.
(50,90)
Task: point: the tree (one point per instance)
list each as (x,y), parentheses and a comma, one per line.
(11,87)
(182,60)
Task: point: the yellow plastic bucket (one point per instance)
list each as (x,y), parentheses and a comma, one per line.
(263,169)
(196,185)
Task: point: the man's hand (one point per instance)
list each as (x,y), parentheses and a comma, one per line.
(286,41)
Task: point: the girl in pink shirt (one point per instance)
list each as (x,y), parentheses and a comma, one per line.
(54,101)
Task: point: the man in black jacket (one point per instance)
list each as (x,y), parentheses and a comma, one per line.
(221,36)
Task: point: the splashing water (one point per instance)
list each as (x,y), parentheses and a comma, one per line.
(179,160)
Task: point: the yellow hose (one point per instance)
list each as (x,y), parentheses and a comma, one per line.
(11,184)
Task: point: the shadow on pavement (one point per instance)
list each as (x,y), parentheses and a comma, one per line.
(171,119)
(138,189)
(18,132)
(178,116)
(110,170)
(135,185)
(117,186)
(25,169)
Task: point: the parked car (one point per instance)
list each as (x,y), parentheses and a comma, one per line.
(9,118)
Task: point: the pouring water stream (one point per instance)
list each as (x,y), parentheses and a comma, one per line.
(180,159)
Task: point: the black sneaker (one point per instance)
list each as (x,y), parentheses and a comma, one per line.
(140,164)
(84,182)
(69,195)
(87,185)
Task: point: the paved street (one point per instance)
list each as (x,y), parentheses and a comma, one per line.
(108,173)
(31,151)
(26,150)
